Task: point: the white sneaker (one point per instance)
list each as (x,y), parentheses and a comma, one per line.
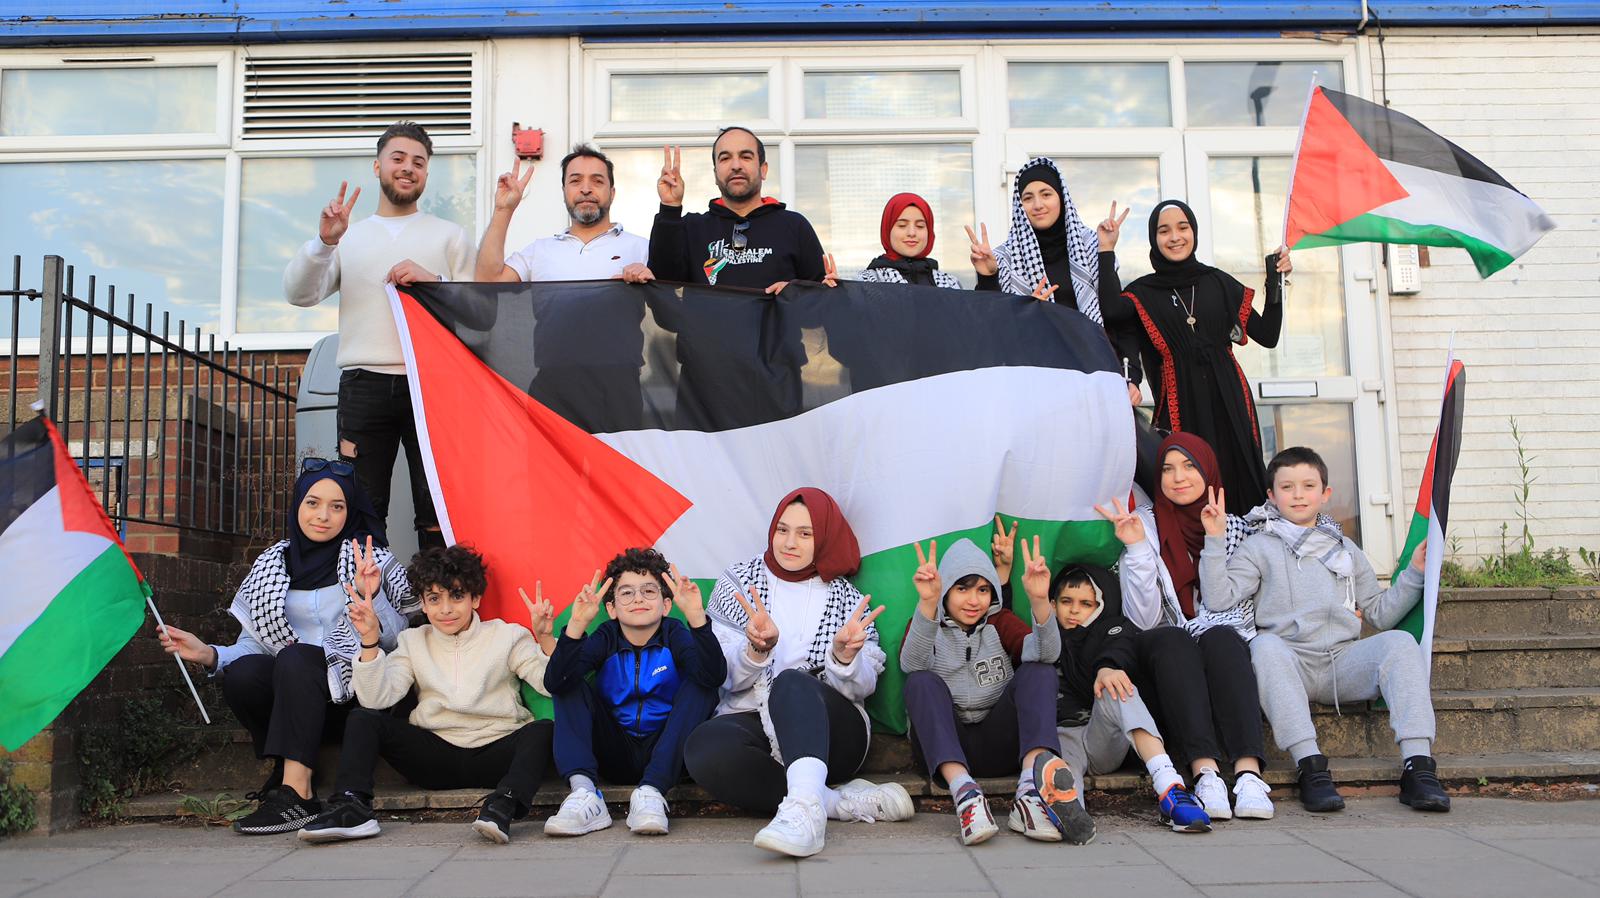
(1251,797)
(977,823)
(798,830)
(866,802)
(1033,818)
(1212,793)
(647,812)
(581,812)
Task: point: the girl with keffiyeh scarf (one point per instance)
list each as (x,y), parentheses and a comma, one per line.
(906,232)
(802,656)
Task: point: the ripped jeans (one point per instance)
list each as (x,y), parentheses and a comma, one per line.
(374,422)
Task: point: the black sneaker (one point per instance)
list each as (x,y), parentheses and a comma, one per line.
(349,816)
(1317,791)
(1059,789)
(281,811)
(494,820)
(1419,785)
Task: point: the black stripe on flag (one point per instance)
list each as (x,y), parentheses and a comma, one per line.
(27,470)
(1398,137)
(613,357)
(1448,448)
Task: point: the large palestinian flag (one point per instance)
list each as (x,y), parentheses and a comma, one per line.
(72,597)
(1364,173)
(1433,507)
(563,422)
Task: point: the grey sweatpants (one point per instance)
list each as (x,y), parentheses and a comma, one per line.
(1100,745)
(1386,665)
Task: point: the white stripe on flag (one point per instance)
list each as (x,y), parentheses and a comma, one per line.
(40,558)
(1494,214)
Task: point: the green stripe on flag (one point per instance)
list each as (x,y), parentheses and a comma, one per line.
(86,624)
(1416,536)
(1370,228)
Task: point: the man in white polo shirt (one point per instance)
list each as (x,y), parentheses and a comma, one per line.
(592,248)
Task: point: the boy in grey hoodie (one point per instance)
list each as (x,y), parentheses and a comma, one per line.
(981,689)
(1312,588)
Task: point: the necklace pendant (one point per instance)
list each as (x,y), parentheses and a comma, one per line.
(1191,322)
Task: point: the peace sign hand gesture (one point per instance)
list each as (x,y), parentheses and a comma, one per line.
(759,630)
(586,606)
(1035,573)
(1109,230)
(369,576)
(983,260)
(847,643)
(335,218)
(1002,546)
(670,185)
(541,616)
(686,598)
(362,617)
(512,185)
(1214,516)
(930,589)
(1043,290)
(1130,527)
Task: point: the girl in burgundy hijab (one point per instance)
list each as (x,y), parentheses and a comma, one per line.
(802,656)
(907,235)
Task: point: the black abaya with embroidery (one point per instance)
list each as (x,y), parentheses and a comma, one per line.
(1198,384)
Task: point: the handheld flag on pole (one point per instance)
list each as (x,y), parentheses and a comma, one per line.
(1364,173)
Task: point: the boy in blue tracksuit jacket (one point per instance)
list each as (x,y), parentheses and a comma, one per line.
(655,679)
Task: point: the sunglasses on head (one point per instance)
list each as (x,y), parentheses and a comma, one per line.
(333,465)
(740,238)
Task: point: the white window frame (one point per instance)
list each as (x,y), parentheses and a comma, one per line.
(798,124)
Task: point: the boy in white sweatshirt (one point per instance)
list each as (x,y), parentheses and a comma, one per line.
(469,728)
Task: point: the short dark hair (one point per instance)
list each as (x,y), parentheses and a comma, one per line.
(1070,577)
(761,148)
(1297,455)
(971,581)
(455,569)
(406,129)
(586,151)
(637,561)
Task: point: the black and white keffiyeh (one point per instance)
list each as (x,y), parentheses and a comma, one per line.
(1323,541)
(1021,263)
(259,608)
(890,276)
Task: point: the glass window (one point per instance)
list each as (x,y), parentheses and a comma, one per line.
(883,95)
(726,97)
(1247,197)
(1134,183)
(82,102)
(1330,429)
(638,168)
(1245,94)
(843,189)
(280,200)
(1089,94)
(151,228)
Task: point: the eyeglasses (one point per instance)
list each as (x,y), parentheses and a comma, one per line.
(740,239)
(646,593)
(337,466)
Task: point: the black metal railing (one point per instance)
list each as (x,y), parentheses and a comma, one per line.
(172,430)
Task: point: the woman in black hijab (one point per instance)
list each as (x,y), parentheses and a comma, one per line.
(1184,318)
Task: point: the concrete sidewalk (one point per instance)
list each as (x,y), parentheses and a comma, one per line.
(1490,847)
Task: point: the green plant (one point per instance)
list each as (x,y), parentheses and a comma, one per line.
(1591,560)
(1523,489)
(220,810)
(16,804)
(1552,567)
(131,756)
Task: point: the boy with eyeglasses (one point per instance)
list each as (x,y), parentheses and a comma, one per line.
(655,680)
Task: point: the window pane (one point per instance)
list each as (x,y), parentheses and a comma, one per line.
(1233,94)
(81,102)
(1089,95)
(875,95)
(280,200)
(1329,429)
(1132,183)
(638,168)
(843,189)
(1247,196)
(727,97)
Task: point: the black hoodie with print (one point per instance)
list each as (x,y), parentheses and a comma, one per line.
(1106,641)
(697,247)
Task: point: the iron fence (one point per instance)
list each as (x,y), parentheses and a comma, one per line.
(172,430)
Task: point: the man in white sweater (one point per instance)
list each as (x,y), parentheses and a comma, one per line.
(398,245)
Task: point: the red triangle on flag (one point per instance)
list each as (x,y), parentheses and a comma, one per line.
(539,498)
(1337,176)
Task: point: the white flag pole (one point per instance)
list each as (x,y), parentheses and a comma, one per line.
(1294,165)
(182,668)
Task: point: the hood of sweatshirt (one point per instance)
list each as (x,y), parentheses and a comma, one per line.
(1083,645)
(768,206)
(963,560)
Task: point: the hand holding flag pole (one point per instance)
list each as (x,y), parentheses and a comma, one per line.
(182,668)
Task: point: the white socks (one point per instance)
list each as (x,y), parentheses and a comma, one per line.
(808,778)
(1163,773)
(578,781)
(1025,781)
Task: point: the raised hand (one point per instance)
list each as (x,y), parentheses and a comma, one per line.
(362,617)
(1036,579)
(368,576)
(1043,290)
(186,645)
(1109,230)
(852,636)
(335,218)
(406,272)
(508,190)
(1214,516)
(983,260)
(1001,547)
(686,598)
(830,271)
(1114,681)
(930,589)
(586,606)
(541,614)
(1284,265)
(759,630)
(1130,528)
(670,185)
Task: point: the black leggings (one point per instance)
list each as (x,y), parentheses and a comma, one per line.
(513,763)
(731,755)
(1204,692)
(283,701)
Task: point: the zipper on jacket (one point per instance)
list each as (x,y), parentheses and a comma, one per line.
(638,666)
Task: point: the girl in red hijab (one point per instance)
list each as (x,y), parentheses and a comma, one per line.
(907,235)
(802,657)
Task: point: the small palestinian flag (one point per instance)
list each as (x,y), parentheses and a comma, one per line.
(1367,174)
(72,598)
(564,422)
(1433,507)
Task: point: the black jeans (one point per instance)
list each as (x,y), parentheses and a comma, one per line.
(514,762)
(375,419)
(283,701)
(590,741)
(732,758)
(1202,693)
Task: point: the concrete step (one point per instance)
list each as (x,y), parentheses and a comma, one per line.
(690,799)
(1566,610)
(1504,661)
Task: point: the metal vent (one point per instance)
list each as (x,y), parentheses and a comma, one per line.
(356,96)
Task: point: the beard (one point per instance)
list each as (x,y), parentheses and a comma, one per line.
(752,189)
(394,194)
(587,213)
